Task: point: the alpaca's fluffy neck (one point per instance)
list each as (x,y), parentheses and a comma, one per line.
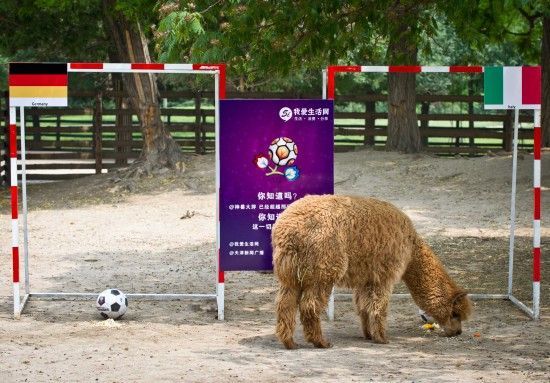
(431,287)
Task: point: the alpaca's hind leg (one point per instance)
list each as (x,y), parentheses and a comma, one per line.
(372,305)
(287,305)
(312,304)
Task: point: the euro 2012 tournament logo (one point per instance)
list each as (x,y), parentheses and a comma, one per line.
(282,152)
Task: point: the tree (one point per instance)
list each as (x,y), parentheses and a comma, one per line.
(403,131)
(106,30)
(267,43)
(275,40)
(525,24)
(50,30)
(159,148)
(266,40)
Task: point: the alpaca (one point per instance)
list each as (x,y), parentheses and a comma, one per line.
(364,244)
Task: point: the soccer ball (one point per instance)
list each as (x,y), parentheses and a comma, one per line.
(112,303)
(283,151)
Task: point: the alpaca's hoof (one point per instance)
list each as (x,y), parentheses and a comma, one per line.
(290,345)
(322,344)
(380,340)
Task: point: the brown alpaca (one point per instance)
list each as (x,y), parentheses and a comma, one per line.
(364,244)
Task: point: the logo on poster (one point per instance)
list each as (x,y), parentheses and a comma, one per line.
(282,151)
(304,114)
(285,113)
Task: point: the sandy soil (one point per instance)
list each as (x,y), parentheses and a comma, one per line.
(85,236)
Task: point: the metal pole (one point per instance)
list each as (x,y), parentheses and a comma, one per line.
(324,84)
(143,296)
(348,297)
(513,203)
(521,306)
(220,286)
(24,197)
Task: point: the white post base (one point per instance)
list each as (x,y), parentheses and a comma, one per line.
(330,308)
(16,301)
(220,300)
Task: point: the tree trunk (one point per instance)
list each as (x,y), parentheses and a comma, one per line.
(159,148)
(123,122)
(545,62)
(403,131)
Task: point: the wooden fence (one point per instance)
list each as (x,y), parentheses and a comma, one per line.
(70,142)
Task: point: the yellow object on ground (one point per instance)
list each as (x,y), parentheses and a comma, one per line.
(430,326)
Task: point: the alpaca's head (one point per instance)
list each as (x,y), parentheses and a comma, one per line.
(460,310)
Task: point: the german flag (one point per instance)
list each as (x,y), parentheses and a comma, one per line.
(38,84)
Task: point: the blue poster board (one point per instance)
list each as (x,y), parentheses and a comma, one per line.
(272,152)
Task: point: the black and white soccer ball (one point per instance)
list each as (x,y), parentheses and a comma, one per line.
(112,303)
(283,151)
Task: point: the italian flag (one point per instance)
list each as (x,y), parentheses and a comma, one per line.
(512,87)
(38,84)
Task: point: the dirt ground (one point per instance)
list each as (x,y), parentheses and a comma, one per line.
(89,234)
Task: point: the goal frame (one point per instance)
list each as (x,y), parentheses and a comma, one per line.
(329,86)
(19,301)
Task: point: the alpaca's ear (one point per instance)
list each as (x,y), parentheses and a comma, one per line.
(462,307)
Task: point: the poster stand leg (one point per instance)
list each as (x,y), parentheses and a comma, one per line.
(330,308)
(220,275)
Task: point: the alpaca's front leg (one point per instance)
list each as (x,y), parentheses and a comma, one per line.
(312,304)
(378,321)
(362,314)
(372,306)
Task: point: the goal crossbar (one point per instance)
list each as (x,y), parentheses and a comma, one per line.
(19,301)
(329,88)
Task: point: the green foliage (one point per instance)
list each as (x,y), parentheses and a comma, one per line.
(141,10)
(283,45)
(51,30)
(3,72)
(502,28)
(174,31)
(271,44)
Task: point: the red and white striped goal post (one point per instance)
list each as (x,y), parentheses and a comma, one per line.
(329,87)
(218,70)
(333,69)
(536,215)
